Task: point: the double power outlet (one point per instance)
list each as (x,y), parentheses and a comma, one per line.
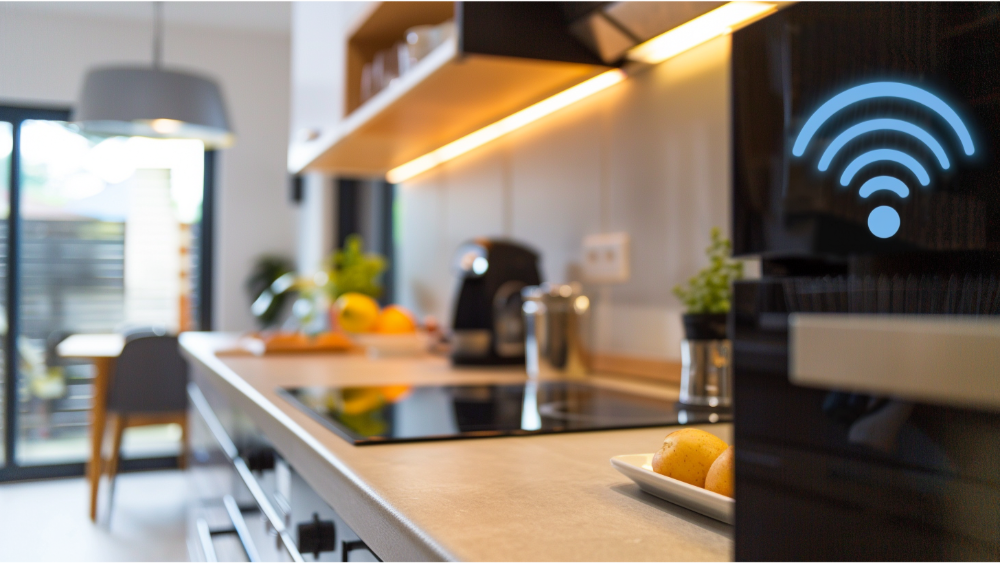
(606,258)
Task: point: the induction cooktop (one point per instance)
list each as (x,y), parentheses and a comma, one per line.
(408,413)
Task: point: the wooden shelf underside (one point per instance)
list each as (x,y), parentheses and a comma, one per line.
(445,97)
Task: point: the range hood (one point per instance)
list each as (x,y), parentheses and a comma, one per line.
(610,29)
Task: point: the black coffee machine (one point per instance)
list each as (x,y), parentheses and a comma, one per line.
(866,152)
(489,328)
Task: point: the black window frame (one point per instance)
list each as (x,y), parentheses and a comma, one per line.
(10,470)
(349,210)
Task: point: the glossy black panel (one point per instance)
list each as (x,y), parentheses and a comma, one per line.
(787,65)
(398,413)
(832,474)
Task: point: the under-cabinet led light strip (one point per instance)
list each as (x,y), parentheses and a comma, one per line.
(506,125)
(710,25)
(719,21)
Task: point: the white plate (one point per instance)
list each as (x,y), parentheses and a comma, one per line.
(393,345)
(639,469)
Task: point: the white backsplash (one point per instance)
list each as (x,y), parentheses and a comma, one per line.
(650,157)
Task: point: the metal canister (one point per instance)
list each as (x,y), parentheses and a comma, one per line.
(706,375)
(557,330)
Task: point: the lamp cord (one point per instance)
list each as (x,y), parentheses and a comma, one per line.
(157,34)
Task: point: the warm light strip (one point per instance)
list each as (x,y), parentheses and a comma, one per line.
(719,21)
(506,125)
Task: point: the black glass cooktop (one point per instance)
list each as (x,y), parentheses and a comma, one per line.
(404,413)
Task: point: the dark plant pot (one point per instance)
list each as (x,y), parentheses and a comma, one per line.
(705,326)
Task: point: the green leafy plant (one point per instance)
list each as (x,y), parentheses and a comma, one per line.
(710,291)
(266,270)
(350,269)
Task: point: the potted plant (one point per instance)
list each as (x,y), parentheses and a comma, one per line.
(708,294)
(266,302)
(706,376)
(351,271)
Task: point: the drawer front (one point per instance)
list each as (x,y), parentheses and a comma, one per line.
(248,503)
(232,516)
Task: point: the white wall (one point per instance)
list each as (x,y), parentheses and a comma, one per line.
(43,58)
(316,223)
(319,55)
(649,156)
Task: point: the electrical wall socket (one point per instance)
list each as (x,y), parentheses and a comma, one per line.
(606,258)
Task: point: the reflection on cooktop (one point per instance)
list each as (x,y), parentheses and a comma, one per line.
(405,413)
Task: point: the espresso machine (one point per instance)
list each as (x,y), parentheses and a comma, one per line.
(866,154)
(488,327)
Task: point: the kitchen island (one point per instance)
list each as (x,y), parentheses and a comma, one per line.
(546,497)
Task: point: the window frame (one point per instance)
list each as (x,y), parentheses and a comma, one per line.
(10,470)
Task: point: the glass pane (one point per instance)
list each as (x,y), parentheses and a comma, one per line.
(105,247)
(6,147)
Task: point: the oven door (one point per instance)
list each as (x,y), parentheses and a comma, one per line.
(861,437)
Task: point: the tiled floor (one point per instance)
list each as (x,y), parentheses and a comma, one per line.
(48,520)
(140,442)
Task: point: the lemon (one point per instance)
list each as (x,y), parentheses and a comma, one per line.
(687,455)
(356,312)
(395,319)
(720,476)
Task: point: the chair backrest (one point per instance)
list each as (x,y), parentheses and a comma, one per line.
(132,332)
(149,376)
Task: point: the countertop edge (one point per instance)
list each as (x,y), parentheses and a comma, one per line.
(341,488)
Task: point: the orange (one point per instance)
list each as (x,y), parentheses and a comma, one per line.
(395,319)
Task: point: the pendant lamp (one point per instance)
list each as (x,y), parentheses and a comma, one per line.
(153,102)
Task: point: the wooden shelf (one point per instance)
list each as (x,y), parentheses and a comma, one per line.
(442,99)
(384,26)
(446,96)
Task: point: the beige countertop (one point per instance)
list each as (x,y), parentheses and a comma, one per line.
(550,497)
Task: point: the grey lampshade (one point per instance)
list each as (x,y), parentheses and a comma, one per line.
(153,102)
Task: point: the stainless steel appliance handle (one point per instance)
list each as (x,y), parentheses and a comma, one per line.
(240,527)
(267,510)
(259,497)
(205,538)
(942,359)
(215,427)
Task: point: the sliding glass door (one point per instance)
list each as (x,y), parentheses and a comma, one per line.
(104,236)
(7,388)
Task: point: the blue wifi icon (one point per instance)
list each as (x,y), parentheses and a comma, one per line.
(883,221)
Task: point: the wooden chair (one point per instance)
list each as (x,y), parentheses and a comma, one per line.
(148,386)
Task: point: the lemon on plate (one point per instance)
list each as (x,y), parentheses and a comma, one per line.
(687,455)
(356,312)
(721,475)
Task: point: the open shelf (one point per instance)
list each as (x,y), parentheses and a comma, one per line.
(444,97)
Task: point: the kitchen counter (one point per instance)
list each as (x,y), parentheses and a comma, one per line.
(548,497)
